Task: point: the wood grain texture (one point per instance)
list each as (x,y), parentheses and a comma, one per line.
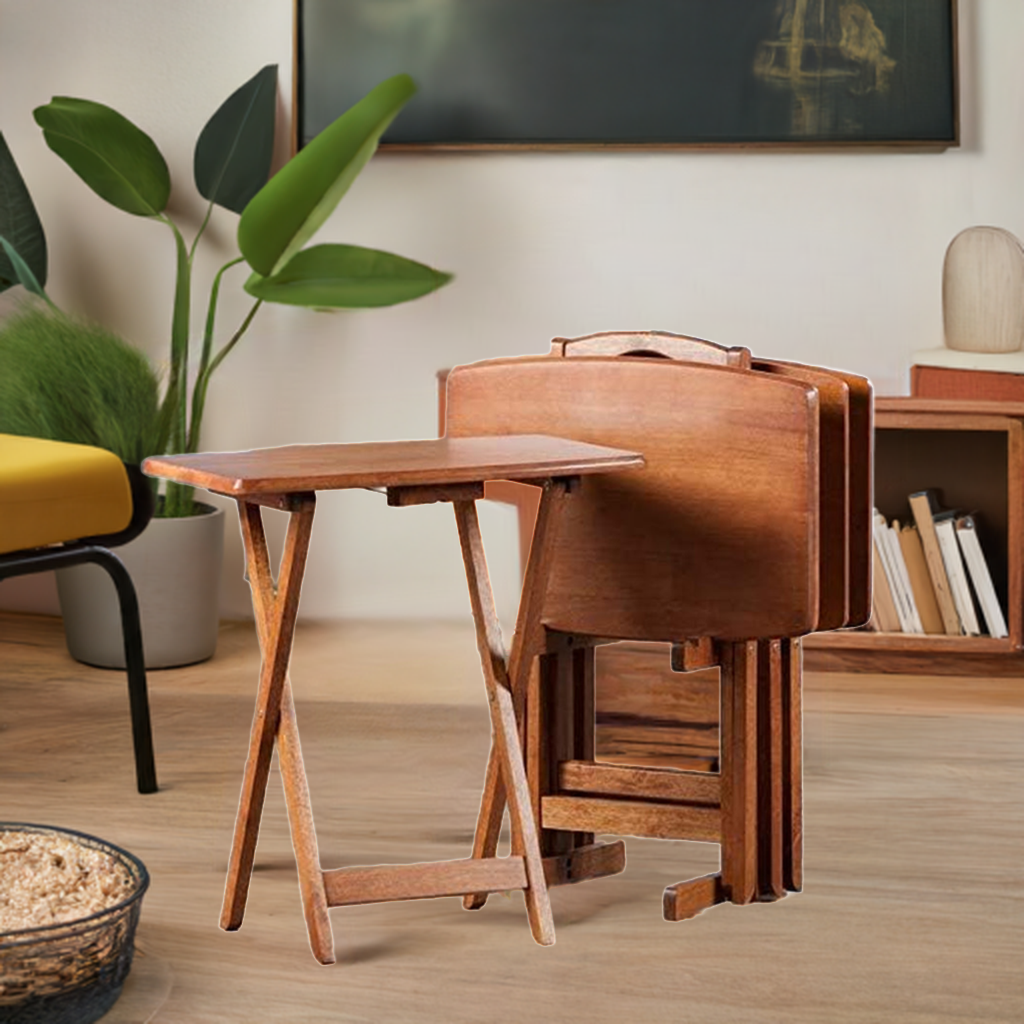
(834,497)
(773,730)
(731,515)
(969,385)
(792,679)
(650,819)
(687,899)
(862,489)
(693,654)
(647,714)
(739,769)
(528,641)
(555,742)
(652,343)
(281,608)
(856,465)
(662,784)
(400,497)
(383,883)
(585,862)
(1015,534)
(980,412)
(293,771)
(321,467)
(504,724)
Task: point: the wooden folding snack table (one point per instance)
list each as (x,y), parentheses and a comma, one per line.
(412,473)
(747,529)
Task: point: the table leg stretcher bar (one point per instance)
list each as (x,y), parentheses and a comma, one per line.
(275,609)
(275,606)
(751,807)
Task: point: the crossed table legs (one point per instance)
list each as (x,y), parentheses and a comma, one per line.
(275,610)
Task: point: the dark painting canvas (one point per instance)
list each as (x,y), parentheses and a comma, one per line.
(593,72)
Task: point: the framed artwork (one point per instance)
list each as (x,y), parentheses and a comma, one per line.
(638,73)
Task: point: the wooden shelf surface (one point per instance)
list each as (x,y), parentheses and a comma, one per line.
(940,644)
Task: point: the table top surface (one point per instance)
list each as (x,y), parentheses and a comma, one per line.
(319,467)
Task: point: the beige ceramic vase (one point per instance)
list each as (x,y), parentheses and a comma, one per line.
(983,291)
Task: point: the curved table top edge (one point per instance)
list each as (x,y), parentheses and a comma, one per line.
(292,469)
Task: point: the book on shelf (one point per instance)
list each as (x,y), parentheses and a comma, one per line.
(883,608)
(920,579)
(912,587)
(981,578)
(911,614)
(956,571)
(924,505)
(895,572)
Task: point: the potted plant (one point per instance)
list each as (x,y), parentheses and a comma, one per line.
(65,379)
(278,216)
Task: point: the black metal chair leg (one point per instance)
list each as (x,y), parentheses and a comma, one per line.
(21,563)
(138,695)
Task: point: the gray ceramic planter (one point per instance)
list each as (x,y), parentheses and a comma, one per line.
(175,565)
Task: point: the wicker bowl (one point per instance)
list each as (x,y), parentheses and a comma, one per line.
(71,973)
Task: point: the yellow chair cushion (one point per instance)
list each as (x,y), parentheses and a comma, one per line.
(51,492)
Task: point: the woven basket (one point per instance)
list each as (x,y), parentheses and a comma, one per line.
(71,973)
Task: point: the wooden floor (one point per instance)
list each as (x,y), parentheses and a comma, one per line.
(913,909)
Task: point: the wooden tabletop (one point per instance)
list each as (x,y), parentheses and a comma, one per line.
(323,467)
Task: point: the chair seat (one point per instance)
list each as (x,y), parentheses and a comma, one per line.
(52,492)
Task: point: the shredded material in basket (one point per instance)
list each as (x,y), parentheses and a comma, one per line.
(46,879)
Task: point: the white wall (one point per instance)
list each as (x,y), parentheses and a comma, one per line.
(821,257)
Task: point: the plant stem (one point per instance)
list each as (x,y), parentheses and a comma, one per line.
(219,358)
(179,338)
(199,233)
(199,390)
(178,500)
(203,380)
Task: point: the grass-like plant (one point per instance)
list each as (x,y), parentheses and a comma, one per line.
(278,217)
(64,379)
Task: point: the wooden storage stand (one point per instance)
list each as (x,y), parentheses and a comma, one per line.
(972,452)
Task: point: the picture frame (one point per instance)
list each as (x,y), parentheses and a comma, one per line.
(637,74)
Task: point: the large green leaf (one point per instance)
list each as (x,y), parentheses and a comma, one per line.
(289,209)
(346,276)
(233,152)
(19,224)
(115,159)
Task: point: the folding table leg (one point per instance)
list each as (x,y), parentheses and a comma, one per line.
(560,727)
(737,881)
(739,769)
(527,644)
(792,766)
(293,772)
(771,730)
(504,723)
(277,612)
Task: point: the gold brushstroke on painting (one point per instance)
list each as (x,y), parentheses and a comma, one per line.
(822,47)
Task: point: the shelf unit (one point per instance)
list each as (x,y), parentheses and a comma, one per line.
(972,452)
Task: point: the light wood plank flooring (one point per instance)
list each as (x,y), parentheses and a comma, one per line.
(913,909)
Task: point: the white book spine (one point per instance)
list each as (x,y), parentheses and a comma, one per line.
(882,541)
(901,570)
(954,566)
(980,576)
